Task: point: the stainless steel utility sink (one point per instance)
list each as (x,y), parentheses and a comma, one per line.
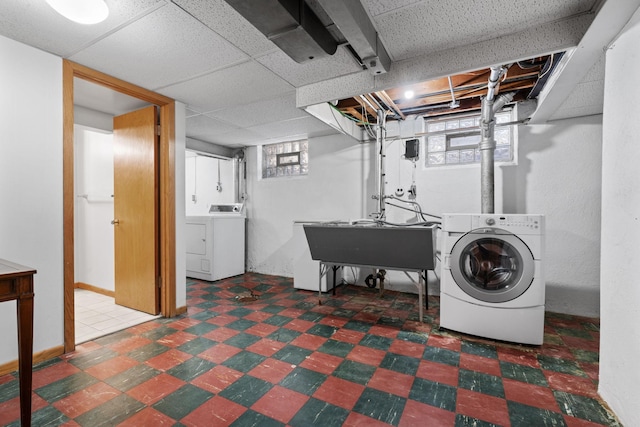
(385,247)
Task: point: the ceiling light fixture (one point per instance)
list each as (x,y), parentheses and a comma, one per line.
(81,11)
(408,94)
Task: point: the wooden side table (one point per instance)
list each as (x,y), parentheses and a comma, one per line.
(16,283)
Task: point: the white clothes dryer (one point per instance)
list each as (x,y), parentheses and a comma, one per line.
(492,277)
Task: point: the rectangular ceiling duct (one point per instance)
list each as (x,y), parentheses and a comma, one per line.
(291,25)
(356,27)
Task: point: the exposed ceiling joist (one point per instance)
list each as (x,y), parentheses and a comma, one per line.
(434,97)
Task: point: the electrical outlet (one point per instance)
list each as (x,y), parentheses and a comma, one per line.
(399,192)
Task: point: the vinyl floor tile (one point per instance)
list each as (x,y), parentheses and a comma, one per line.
(359,359)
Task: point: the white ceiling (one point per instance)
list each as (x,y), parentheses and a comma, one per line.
(240,89)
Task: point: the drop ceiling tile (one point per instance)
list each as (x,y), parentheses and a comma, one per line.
(261,112)
(200,125)
(437,25)
(190,112)
(241,84)
(165,46)
(378,7)
(338,88)
(338,64)
(224,20)
(35,23)
(293,129)
(235,138)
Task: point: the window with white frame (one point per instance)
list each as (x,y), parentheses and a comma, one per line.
(453,140)
(285,159)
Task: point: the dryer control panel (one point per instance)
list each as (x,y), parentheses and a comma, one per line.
(516,223)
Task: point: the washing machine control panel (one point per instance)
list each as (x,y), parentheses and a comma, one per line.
(515,223)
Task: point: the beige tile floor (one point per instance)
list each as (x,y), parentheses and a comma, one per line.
(97,315)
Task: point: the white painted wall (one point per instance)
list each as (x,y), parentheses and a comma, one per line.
(94,238)
(558,175)
(201,180)
(339,176)
(620,332)
(31,187)
(31,218)
(92,118)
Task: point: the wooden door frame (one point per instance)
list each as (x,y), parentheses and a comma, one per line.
(166,182)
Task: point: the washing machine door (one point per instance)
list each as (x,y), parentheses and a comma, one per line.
(492,265)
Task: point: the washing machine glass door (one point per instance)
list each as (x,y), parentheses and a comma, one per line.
(492,265)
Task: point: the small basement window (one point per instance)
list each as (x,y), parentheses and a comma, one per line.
(285,159)
(453,140)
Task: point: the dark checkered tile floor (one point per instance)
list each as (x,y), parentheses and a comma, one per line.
(356,360)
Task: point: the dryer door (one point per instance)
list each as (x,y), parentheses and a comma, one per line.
(492,265)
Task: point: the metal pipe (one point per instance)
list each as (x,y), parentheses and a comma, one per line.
(503,100)
(374,101)
(366,101)
(494,81)
(380,137)
(454,103)
(487,149)
(236,180)
(487,144)
(240,176)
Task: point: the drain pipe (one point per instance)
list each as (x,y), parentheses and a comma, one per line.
(380,177)
(487,144)
(240,176)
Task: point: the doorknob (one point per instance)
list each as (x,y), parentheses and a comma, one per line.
(115,222)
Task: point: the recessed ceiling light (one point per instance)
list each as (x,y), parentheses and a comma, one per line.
(81,11)
(408,94)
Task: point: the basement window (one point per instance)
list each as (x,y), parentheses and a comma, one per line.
(453,140)
(285,159)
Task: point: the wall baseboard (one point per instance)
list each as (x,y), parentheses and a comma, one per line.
(88,287)
(38,357)
(181,310)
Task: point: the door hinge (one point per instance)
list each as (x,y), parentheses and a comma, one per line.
(158,130)
(159,281)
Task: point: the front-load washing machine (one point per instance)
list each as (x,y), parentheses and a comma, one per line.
(492,279)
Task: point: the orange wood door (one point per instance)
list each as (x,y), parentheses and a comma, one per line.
(135,195)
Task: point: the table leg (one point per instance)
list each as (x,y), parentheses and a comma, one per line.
(320,283)
(421,287)
(335,267)
(426,290)
(25,348)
